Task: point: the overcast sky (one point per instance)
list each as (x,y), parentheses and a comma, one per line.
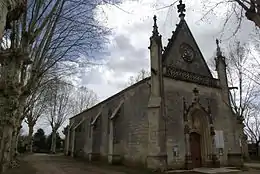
(131,23)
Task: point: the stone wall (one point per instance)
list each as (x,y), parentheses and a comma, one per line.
(130,126)
(223,119)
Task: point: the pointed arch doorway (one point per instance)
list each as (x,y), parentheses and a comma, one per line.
(199,137)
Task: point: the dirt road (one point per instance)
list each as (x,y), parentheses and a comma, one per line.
(59,164)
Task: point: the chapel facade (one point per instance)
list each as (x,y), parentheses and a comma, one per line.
(179,117)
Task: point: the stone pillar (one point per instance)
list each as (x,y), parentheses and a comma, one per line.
(73,142)
(214,158)
(67,142)
(90,152)
(157,156)
(111,142)
(188,161)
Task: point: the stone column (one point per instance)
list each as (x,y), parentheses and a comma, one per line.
(214,158)
(188,161)
(157,155)
(90,152)
(111,142)
(73,142)
(67,142)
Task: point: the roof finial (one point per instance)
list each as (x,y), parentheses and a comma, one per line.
(181,9)
(219,53)
(155,27)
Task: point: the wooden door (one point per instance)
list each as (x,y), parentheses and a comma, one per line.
(195,149)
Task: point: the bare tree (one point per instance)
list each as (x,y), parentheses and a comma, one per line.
(49,36)
(34,109)
(236,9)
(58,108)
(140,76)
(83,98)
(244,100)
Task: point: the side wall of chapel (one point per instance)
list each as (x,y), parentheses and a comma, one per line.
(130,126)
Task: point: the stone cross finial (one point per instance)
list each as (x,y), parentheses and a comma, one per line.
(219,53)
(181,9)
(155,27)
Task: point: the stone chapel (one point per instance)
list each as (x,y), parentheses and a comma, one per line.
(179,117)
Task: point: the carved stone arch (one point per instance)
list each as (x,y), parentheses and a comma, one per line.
(196,106)
(198,120)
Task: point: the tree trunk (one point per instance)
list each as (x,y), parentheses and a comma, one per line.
(13,149)
(5,146)
(17,137)
(3,14)
(53,142)
(30,138)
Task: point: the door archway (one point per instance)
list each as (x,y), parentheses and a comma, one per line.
(200,144)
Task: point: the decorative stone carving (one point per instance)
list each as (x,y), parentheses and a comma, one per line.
(186,129)
(187,52)
(183,75)
(212,131)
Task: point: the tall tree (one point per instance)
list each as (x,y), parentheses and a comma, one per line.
(58,108)
(50,35)
(245,100)
(34,109)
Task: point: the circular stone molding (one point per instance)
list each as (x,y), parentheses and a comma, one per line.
(187,52)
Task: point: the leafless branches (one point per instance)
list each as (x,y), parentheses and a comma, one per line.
(245,100)
(83,99)
(140,76)
(58,107)
(235,12)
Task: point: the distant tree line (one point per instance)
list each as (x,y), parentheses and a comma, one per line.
(41,142)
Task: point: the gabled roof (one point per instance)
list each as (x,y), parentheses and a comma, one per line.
(183,26)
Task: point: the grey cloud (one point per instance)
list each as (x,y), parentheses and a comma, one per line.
(92,77)
(125,57)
